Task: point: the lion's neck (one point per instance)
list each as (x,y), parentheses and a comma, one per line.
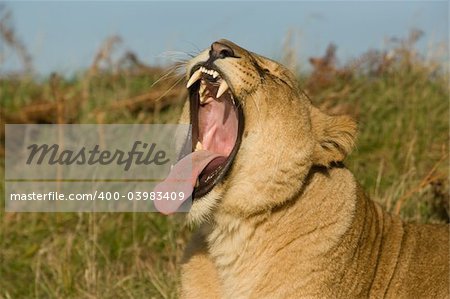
(375,238)
(304,229)
(231,243)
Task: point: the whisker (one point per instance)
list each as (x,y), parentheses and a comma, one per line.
(258,111)
(167,91)
(175,56)
(197,49)
(167,75)
(163,77)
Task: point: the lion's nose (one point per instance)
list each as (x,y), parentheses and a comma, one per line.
(219,50)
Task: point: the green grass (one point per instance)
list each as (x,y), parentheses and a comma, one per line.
(403,116)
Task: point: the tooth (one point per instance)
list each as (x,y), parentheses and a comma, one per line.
(202,94)
(215,74)
(211,72)
(195,76)
(199,146)
(202,89)
(222,88)
(205,100)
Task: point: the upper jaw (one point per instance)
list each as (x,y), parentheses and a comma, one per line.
(211,74)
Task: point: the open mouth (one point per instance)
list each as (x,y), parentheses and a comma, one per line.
(217,125)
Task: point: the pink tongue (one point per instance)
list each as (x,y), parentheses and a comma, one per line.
(182,178)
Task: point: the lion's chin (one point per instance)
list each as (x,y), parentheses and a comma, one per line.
(203,209)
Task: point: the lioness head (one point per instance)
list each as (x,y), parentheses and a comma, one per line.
(255,135)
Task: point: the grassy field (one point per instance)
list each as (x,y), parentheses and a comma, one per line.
(399,99)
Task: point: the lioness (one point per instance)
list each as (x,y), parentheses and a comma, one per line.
(279,215)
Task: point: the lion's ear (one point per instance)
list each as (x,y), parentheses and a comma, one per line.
(335,136)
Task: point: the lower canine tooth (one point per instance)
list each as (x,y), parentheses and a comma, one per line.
(222,88)
(198,146)
(202,89)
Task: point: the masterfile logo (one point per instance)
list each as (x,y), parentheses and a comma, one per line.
(65,168)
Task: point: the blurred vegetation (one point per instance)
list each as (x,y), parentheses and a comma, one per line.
(399,98)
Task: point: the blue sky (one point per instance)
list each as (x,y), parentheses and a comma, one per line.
(64,36)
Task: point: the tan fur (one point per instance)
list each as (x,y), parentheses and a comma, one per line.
(289,221)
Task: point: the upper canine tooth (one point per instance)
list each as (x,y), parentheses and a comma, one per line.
(215,74)
(195,76)
(222,88)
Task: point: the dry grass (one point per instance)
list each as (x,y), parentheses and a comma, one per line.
(9,37)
